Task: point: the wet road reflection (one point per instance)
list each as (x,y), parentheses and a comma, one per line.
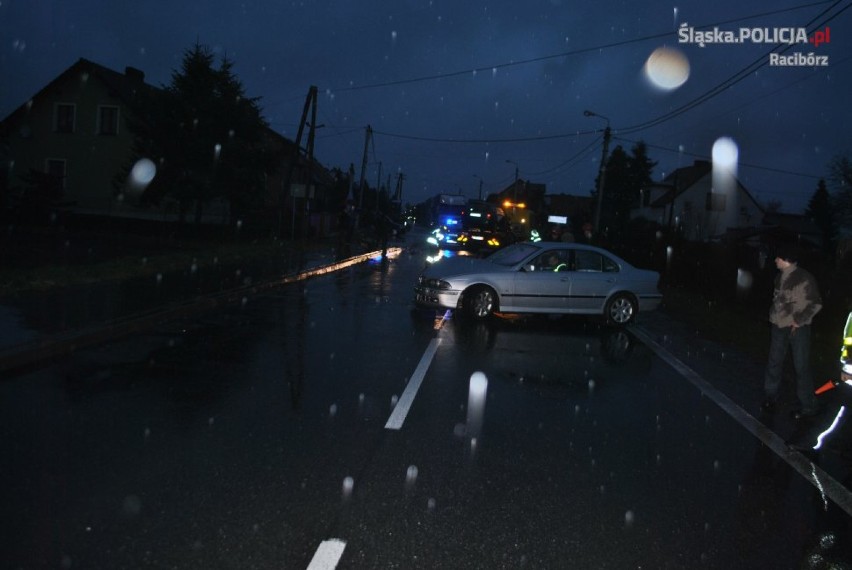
(250,436)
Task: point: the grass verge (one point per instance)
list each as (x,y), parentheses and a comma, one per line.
(51,276)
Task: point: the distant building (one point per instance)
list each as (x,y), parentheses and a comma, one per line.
(523,201)
(702,204)
(75,131)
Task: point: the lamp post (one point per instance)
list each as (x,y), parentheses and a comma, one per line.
(515,186)
(602,169)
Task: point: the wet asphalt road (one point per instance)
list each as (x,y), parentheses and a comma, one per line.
(247,436)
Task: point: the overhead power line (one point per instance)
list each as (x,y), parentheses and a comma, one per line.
(486,68)
(735,78)
(705,157)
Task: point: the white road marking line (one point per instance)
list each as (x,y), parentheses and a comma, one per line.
(824,483)
(327,555)
(400,411)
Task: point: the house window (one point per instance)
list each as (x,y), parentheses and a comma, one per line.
(716,202)
(55,168)
(64,118)
(107,120)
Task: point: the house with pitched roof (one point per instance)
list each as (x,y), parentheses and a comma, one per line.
(701,203)
(74,133)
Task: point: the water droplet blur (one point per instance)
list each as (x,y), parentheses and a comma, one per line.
(744,281)
(348,485)
(716,465)
(159,278)
(394,401)
(477,388)
(411,476)
(667,68)
(332,410)
(591,385)
(828,540)
(629,518)
(141,174)
(132,505)
(245,301)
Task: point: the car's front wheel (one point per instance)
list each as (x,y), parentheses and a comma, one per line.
(480,302)
(621,309)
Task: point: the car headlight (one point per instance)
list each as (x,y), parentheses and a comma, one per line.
(436,284)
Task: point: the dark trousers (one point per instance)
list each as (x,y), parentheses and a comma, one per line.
(799,342)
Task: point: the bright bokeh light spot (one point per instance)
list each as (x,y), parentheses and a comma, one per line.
(725,153)
(142,173)
(478,384)
(667,68)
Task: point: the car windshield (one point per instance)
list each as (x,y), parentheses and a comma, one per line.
(513,254)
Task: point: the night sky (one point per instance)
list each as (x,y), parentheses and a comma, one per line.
(459,91)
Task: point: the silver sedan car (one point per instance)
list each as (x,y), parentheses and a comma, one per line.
(541,277)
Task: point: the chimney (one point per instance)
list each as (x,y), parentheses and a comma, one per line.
(136,75)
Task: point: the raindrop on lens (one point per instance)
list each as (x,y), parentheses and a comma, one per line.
(411,474)
(332,410)
(132,505)
(629,518)
(348,485)
(828,540)
(394,400)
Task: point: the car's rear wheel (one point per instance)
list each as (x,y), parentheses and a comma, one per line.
(621,309)
(480,302)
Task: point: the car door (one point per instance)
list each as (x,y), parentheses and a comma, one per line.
(543,285)
(593,277)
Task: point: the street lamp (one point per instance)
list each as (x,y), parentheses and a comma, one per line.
(602,169)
